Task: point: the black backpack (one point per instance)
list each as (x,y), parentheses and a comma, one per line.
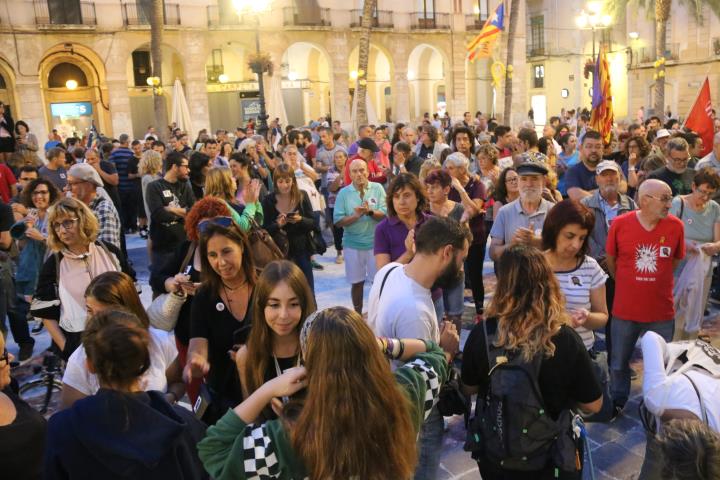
(512,428)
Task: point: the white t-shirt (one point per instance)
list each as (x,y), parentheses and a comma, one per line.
(663,391)
(405,309)
(576,286)
(162,353)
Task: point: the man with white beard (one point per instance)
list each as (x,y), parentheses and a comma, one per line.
(521,221)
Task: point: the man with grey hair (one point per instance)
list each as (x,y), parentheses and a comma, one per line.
(643,248)
(521,221)
(676,173)
(409,136)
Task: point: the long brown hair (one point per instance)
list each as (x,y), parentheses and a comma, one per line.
(355,421)
(260,342)
(117,289)
(284,171)
(528,302)
(209,276)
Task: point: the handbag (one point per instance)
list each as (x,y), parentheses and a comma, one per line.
(317,241)
(263,248)
(165,309)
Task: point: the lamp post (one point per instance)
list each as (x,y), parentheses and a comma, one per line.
(255,8)
(593,19)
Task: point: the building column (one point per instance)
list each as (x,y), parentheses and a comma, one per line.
(31,108)
(338,49)
(197,100)
(120,114)
(401,86)
(457,103)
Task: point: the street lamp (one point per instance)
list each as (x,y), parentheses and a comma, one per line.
(255,8)
(593,19)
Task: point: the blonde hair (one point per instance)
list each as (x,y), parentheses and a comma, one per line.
(219,183)
(427,167)
(150,163)
(88,225)
(528,303)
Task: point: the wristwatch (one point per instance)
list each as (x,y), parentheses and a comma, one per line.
(369,213)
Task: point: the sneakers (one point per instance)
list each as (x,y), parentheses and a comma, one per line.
(37,328)
(26,351)
(316,265)
(339,259)
(144,233)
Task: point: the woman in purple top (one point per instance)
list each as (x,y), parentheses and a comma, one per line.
(395,235)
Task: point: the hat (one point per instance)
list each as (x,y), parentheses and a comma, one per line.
(368,144)
(531,167)
(314,124)
(662,133)
(85,173)
(606,165)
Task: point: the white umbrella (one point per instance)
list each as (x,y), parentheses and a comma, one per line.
(276,105)
(180,112)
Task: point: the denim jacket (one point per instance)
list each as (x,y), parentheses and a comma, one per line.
(600,231)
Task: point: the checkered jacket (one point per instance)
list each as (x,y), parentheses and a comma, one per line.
(109,220)
(236,450)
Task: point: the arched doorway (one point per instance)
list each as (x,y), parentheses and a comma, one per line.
(379,77)
(139,68)
(230,85)
(426,81)
(74,91)
(7,90)
(305,79)
(478,85)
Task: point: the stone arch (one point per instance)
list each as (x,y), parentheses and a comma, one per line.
(306,72)
(380,75)
(8,94)
(428,68)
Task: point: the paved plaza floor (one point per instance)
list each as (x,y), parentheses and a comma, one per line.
(617,449)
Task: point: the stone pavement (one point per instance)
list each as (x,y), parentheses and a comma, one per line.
(617,448)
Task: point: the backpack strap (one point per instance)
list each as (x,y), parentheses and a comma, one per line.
(682,207)
(702,404)
(382,285)
(188,256)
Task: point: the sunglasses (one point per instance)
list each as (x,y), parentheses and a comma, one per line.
(5,357)
(224,222)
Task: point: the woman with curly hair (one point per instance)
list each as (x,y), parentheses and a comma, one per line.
(527,317)
(636,151)
(357,418)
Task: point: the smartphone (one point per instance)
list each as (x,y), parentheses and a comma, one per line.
(203,401)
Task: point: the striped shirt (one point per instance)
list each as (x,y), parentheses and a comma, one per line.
(576,286)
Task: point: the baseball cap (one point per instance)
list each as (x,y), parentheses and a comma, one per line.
(86,173)
(606,165)
(531,167)
(368,144)
(662,133)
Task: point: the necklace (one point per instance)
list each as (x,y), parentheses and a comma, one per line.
(227,287)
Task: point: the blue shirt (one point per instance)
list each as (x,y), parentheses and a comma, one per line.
(122,157)
(579,176)
(361,234)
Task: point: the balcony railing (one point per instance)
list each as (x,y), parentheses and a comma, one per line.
(430,21)
(306,18)
(80,13)
(139,13)
(474,22)
(537,49)
(218,16)
(382,19)
(648,55)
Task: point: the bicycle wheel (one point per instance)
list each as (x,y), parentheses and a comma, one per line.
(35,394)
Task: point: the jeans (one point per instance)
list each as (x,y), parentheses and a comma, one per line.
(18,316)
(302,260)
(129,202)
(600,367)
(337,231)
(474,271)
(9,304)
(429,446)
(625,334)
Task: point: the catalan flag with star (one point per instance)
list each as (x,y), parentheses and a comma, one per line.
(481,46)
(602,116)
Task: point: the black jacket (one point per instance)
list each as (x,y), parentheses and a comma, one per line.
(298,233)
(112,435)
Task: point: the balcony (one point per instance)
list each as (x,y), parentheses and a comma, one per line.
(537,50)
(430,21)
(381,19)
(648,55)
(315,17)
(135,14)
(69,13)
(218,17)
(474,22)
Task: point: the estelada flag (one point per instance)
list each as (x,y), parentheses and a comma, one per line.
(700,120)
(481,45)
(602,116)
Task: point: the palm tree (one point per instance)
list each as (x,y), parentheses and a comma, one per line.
(363,56)
(514,7)
(157,25)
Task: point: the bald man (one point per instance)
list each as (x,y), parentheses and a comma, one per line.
(643,248)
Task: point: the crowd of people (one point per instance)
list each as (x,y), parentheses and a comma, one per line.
(594,245)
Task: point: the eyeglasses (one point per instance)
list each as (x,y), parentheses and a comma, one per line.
(5,358)
(40,192)
(705,193)
(186,165)
(663,199)
(224,222)
(65,224)
(679,160)
(511,180)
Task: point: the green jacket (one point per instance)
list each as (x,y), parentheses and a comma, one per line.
(235,450)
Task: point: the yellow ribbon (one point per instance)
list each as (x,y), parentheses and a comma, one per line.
(497,70)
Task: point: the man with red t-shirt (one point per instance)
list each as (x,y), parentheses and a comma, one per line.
(8,184)
(367,148)
(643,248)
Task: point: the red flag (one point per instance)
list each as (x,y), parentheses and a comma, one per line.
(699,119)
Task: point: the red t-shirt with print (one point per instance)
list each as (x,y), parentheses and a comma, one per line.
(644,267)
(7,180)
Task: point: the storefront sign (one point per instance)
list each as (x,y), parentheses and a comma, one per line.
(71,109)
(250,108)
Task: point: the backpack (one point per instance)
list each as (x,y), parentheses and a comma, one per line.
(512,428)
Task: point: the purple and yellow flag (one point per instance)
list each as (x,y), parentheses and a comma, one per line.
(481,45)
(602,117)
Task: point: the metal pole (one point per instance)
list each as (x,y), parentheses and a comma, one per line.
(262,118)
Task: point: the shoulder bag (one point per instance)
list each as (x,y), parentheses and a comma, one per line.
(165,309)
(263,248)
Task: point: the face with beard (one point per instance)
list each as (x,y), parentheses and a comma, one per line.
(608,182)
(183,171)
(531,187)
(591,151)
(453,271)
